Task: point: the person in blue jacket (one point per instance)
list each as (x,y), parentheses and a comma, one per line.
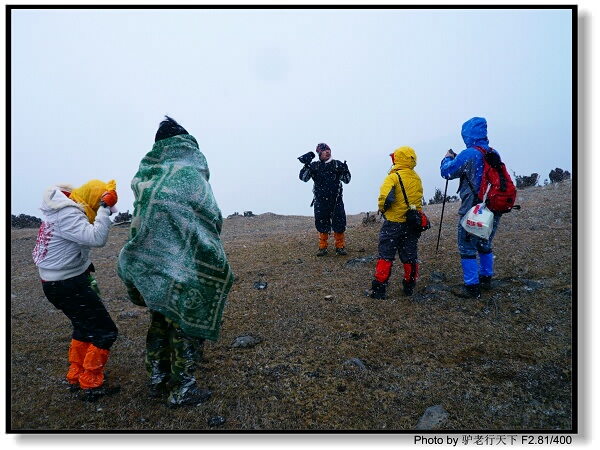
(328,175)
(468,166)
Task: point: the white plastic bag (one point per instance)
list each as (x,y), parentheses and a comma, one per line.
(479,221)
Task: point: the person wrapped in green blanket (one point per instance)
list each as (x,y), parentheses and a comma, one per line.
(174,262)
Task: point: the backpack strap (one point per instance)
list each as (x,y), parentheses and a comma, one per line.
(476,194)
(403,191)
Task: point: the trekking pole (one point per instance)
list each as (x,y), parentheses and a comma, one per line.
(442,216)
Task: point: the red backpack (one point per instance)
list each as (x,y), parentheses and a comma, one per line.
(502,192)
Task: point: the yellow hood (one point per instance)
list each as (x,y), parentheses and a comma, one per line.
(89,196)
(404,158)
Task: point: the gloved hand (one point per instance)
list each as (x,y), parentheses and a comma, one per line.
(343,167)
(109,198)
(306,158)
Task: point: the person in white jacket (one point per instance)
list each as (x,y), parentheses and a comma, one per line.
(75,220)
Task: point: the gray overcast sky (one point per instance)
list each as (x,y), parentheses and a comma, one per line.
(258,88)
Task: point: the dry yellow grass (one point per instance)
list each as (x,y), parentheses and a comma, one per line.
(501,363)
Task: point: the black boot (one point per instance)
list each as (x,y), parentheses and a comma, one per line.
(468,291)
(473,290)
(378,290)
(93,394)
(485,282)
(188,395)
(158,390)
(187,353)
(408,287)
(160,373)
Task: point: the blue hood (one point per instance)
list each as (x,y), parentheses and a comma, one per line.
(474,132)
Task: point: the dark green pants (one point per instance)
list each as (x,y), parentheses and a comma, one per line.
(171,356)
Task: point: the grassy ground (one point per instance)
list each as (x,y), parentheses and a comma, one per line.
(328,357)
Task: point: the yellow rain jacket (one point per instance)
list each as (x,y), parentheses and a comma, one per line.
(391,201)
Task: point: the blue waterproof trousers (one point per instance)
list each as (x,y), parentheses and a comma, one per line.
(471,246)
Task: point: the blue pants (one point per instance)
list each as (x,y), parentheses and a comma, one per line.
(469,246)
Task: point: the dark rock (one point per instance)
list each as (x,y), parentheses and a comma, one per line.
(355,362)
(245,342)
(363,260)
(216,421)
(433,418)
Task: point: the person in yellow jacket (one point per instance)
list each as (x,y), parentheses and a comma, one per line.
(395,235)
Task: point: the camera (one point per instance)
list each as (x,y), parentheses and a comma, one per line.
(307,157)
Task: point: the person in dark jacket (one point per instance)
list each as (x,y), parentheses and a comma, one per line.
(468,166)
(328,175)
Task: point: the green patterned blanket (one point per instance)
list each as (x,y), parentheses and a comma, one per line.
(174,259)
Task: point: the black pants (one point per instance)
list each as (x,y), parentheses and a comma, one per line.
(90,319)
(398,237)
(330,214)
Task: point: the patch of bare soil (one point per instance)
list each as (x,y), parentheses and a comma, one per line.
(327,357)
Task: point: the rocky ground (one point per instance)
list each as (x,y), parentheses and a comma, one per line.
(302,348)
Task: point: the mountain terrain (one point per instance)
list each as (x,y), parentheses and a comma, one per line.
(302,349)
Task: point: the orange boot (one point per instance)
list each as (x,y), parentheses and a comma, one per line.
(77,352)
(339,243)
(93,365)
(323,243)
(92,378)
